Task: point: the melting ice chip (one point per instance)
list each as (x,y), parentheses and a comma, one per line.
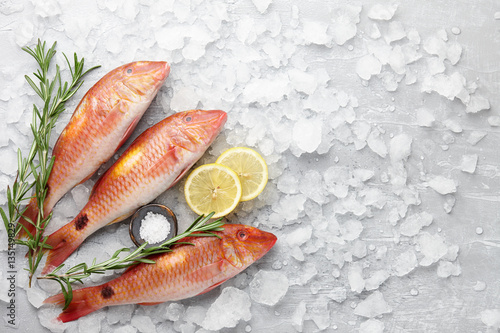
(373,306)
(405,263)
(8,165)
(395,32)
(376,279)
(307,134)
(183,98)
(9,7)
(262,5)
(288,183)
(47,8)
(265,91)
(412,224)
(469,163)
(315,33)
(447,268)
(383,12)
(302,81)
(143,323)
(400,147)
(477,103)
(475,137)
(355,277)
(494,121)
(268,287)
(451,87)
(313,187)
(344,23)
(338,294)
(80,194)
(479,286)
(372,326)
(299,236)
(376,143)
(425,118)
(227,310)
(298,316)
(432,247)
(24,33)
(351,229)
(452,125)
(121,313)
(442,185)
(367,66)
(491,318)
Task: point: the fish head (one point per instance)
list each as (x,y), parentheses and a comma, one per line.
(196,128)
(140,81)
(243,245)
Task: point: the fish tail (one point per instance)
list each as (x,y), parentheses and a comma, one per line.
(80,305)
(62,247)
(30,214)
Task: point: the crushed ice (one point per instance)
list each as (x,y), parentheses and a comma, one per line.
(352,169)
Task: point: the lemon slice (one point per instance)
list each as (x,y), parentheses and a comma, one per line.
(250,167)
(212,188)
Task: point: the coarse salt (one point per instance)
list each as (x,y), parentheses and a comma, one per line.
(154,228)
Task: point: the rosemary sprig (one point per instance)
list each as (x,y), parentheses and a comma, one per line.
(77,273)
(37,164)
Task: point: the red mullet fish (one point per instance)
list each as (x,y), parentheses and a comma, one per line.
(154,162)
(101,123)
(185,272)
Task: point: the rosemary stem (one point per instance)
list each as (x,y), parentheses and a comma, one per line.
(81,271)
(37,163)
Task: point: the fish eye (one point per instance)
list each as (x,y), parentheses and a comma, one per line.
(129,71)
(242,235)
(188,119)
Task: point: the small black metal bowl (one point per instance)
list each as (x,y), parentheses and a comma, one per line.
(135,223)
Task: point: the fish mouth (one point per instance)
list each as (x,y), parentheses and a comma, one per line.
(268,240)
(211,122)
(158,70)
(220,118)
(263,243)
(163,70)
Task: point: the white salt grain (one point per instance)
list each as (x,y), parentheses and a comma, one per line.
(154,228)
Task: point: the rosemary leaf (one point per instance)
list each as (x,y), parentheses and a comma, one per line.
(38,164)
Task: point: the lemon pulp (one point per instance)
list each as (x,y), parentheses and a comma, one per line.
(250,168)
(213,188)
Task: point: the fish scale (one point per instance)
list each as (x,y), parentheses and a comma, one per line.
(185,272)
(102,121)
(154,162)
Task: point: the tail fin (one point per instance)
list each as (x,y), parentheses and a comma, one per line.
(63,244)
(79,306)
(31,213)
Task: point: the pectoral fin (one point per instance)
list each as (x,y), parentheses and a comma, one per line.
(213,287)
(179,177)
(167,157)
(209,272)
(129,131)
